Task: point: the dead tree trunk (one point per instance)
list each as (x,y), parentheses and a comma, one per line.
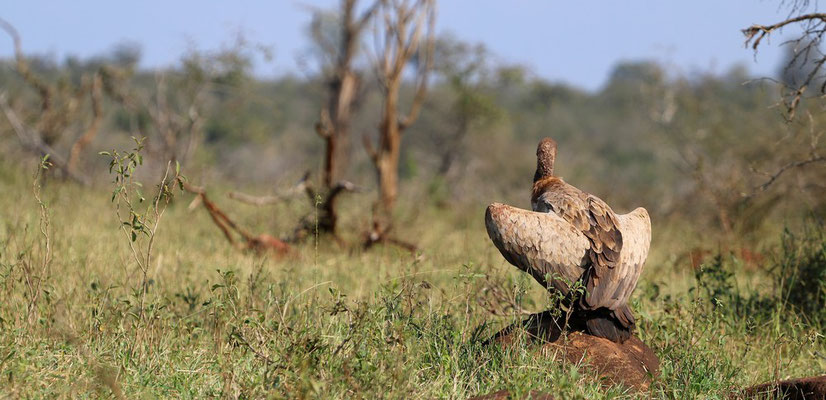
(334,126)
(258,243)
(343,86)
(405,31)
(386,159)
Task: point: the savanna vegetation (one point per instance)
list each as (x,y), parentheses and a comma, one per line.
(120,187)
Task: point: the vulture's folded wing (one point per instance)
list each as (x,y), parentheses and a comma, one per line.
(620,283)
(606,246)
(543,244)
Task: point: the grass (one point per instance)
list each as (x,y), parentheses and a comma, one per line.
(332,323)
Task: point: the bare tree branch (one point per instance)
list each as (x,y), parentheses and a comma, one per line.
(40,86)
(59,111)
(773,177)
(425,67)
(814,28)
(31,141)
(96,94)
(298,188)
(756,33)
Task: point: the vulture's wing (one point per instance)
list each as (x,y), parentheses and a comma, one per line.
(636,231)
(542,244)
(614,288)
(606,245)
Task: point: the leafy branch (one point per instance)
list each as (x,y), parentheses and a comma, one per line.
(138,218)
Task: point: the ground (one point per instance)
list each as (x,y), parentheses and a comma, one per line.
(329,322)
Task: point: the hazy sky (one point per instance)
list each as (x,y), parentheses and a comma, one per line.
(572,41)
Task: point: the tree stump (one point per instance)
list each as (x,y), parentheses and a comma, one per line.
(632,364)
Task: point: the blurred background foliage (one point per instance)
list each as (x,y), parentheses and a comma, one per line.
(693,149)
(733,293)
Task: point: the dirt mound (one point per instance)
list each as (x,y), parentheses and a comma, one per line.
(803,388)
(632,363)
(504,395)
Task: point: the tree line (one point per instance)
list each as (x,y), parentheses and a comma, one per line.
(434,116)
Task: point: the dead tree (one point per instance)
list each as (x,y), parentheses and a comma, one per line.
(404,33)
(179,129)
(181,98)
(343,87)
(325,218)
(176,117)
(61,111)
(344,94)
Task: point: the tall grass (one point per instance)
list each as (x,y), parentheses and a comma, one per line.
(331,323)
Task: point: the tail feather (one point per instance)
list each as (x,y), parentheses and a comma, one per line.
(625,316)
(607,324)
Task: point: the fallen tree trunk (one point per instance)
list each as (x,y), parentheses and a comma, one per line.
(258,243)
(324,218)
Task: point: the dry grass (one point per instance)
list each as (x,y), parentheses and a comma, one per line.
(333,323)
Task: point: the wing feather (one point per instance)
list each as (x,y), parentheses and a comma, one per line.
(636,231)
(542,244)
(606,246)
(545,244)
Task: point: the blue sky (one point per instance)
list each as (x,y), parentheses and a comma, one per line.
(572,41)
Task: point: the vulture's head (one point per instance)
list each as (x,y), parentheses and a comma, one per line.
(545,157)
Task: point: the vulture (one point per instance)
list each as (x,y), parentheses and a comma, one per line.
(572,236)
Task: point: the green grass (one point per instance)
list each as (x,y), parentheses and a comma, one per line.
(334,323)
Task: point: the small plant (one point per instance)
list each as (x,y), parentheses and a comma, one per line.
(138,218)
(716,282)
(35,276)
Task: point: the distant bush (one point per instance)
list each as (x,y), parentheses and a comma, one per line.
(801,272)
(798,280)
